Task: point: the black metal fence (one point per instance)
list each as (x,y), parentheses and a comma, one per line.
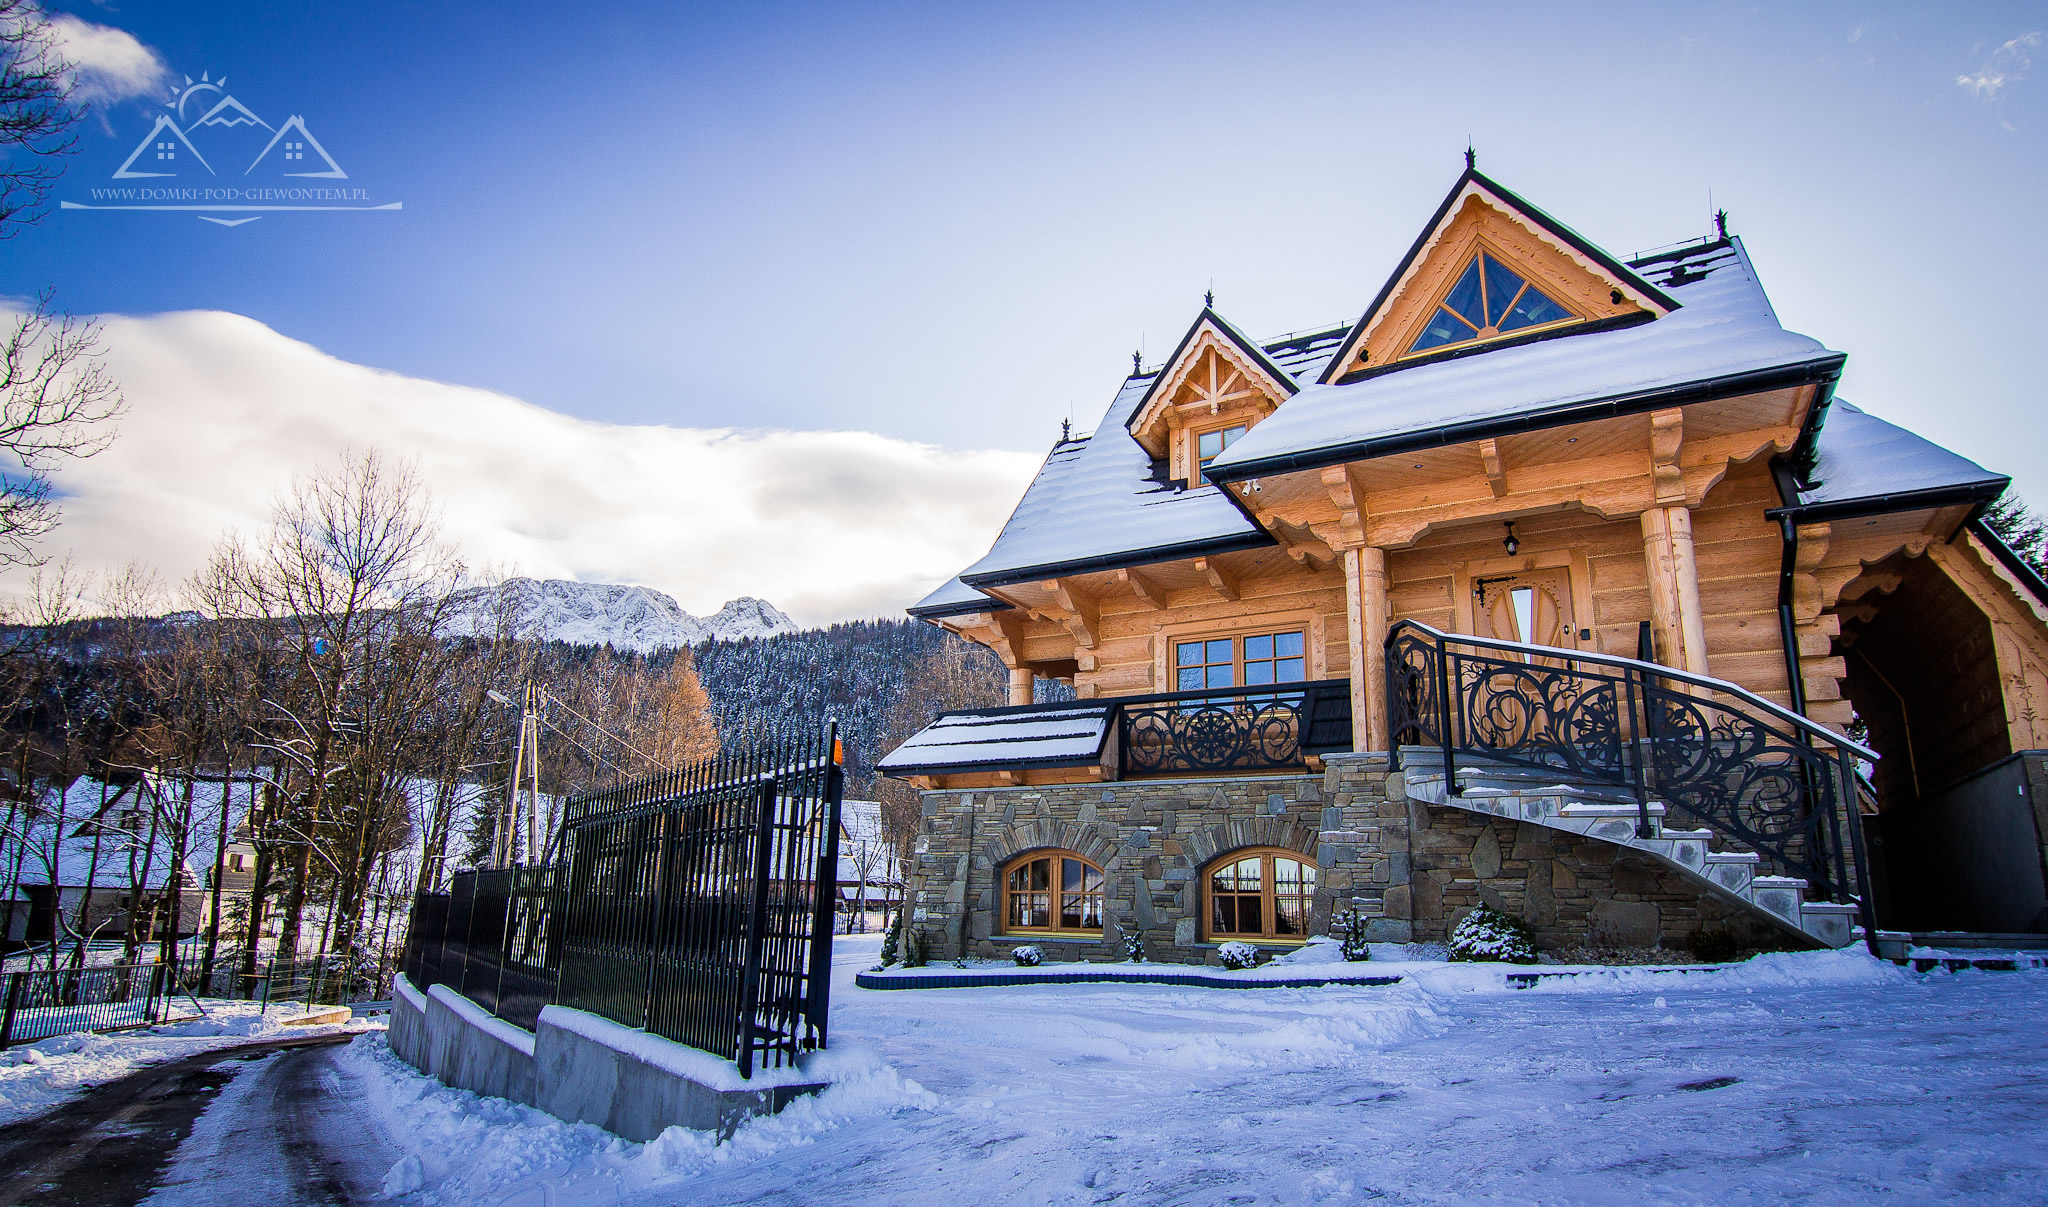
(57,1001)
(697,904)
(1746,769)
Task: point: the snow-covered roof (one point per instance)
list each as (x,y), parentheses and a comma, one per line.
(1099,498)
(1107,506)
(1863,459)
(1033,737)
(1724,333)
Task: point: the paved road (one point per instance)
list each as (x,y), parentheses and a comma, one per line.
(268,1124)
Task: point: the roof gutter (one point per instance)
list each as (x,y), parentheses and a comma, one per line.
(1977,494)
(1820,369)
(967,608)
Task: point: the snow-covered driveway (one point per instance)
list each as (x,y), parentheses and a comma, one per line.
(1827,1078)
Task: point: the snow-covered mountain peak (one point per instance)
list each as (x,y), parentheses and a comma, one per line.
(627,618)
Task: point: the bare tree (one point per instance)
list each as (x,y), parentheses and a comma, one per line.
(38,114)
(57,403)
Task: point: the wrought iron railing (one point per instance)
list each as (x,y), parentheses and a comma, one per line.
(697,904)
(1232,729)
(1770,780)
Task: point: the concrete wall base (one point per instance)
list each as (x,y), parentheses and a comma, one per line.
(570,1076)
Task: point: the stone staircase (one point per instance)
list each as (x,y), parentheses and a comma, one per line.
(1550,799)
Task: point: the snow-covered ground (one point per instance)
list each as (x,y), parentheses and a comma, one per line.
(1819,1078)
(36,1077)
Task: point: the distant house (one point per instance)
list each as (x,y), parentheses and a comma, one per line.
(869,873)
(92,876)
(1555,582)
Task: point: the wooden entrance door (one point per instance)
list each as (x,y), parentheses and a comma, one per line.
(1530,606)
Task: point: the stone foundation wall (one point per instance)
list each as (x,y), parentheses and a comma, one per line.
(1413,869)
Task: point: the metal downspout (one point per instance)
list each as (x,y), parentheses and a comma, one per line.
(1788,635)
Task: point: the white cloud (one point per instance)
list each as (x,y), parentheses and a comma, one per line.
(108,64)
(2007,65)
(223,412)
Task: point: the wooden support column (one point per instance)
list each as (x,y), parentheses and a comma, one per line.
(1367,616)
(1372,583)
(1675,588)
(1022,685)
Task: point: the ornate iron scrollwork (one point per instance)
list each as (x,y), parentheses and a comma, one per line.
(1250,730)
(1748,773)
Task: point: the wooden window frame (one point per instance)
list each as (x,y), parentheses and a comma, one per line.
(1194,444)
(1312,622)
(1237,639)
(1267,894)
(1053,893)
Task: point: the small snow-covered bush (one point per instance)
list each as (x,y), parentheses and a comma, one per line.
(892,940)
(1238,955)
(1134,946)
(1486,934)
(1348,928)
(1027,956)
(917,949)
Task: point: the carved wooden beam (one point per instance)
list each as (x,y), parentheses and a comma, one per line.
(1221,580)
(1344,492)
(1489,452)
(1147,591)
(1080,613)
(1667,436)
(1308,550)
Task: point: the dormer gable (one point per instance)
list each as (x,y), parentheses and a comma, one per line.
(1216,386)
(1491,270)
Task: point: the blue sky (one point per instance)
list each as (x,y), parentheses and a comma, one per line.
(953,223)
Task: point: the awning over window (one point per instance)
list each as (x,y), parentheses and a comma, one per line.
(1063,735)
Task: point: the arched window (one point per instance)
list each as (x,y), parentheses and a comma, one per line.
(1259,895)
(1052,892)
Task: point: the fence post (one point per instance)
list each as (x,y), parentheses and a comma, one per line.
(827,904)
(1443,699)
(14,980)
(757,924)
(157,997)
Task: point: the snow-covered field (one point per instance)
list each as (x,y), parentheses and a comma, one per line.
(35,1077)
(1823,1078)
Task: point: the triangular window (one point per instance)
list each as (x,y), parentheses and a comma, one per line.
(1490,299)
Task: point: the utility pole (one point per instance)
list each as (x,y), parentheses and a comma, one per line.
(525,778)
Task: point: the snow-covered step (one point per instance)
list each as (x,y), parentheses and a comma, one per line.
(1832,922)
(1732,871)
(1781,895)
(1614,817)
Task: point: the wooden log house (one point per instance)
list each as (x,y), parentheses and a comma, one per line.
(1556,581)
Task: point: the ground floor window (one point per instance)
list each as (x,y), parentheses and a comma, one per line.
(1259,895)
(1053,891)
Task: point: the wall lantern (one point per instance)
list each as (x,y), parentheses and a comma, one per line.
(1511,544)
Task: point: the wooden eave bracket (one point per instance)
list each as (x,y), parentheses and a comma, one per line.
(1301,543)
(1148,592)
(1221,580)
(1489,454)
(1667,437)
(1080,613)
(1342,486)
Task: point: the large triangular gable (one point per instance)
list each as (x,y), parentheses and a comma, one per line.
(1583,287)
(1257,374)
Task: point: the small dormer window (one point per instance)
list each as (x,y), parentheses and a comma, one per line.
(1209,445)
(1490,299)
